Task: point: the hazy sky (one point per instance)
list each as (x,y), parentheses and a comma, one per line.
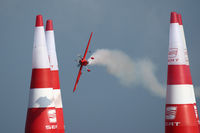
(139,28)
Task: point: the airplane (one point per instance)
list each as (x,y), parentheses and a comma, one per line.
(83,62)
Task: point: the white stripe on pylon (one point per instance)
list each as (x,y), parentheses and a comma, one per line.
(53,62)
(184,45)
(180,94)
(51,49)
(40,55)
(41,97)
(39,37)
(40,58)
(57,98)
(175,55)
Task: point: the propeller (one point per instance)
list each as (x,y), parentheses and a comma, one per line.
(77,60)
(79,57)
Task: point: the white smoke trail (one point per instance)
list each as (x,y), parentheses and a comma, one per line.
(128,71)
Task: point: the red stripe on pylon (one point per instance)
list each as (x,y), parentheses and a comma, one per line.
(37,123)
(55,84)
(40,78)
(179,19)
(60,120)
(49,25)
(180,118)
(173,18)
(39,21)
(179,74)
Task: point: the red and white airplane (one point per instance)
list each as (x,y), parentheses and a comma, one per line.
(83,62)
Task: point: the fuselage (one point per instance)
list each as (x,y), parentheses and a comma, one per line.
(83,62)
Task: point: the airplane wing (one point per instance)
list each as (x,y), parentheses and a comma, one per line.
(78,77)
(87,46)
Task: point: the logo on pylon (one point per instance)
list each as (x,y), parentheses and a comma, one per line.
(171,113)
(52,116)
(172,52)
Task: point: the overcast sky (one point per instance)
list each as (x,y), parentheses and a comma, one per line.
(139,28)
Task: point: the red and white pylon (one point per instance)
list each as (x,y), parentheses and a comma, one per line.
(55,75)
(180,114)
(187,59)
(41,114)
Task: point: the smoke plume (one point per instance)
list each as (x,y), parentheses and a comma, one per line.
(129,72)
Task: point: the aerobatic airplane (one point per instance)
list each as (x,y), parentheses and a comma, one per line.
(83,62)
